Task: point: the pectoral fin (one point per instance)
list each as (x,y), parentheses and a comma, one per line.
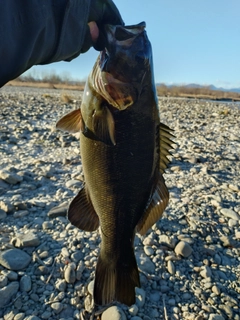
(156,207)
(104,125)
(81,212)
(71,122)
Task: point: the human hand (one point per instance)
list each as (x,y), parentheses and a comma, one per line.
(101,12)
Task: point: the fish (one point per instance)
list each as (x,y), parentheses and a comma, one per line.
(124,152)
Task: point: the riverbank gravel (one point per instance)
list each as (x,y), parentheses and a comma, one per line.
(189,261)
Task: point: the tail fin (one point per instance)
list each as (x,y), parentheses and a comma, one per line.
(116,281)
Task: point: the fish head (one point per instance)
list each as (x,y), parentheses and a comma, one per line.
(124,65)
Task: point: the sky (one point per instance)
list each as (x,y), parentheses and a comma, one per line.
(193,41)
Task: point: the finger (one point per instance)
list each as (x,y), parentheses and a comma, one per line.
(94,31)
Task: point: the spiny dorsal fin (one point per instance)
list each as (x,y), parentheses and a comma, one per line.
(81,212)
(71,122)
(166,144)
(156,207)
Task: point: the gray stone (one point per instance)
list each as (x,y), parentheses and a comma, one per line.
(206,272)
(57,307)
(19,316)
(74,183)
(11,275)
(183,249)
(20,214)
(14,259)
(229,213)
(140,297)
(91,287)
(70,273)
(25,283)
(26,240)
(3,281)
(145,264)
(10,177)
(133,310)
(216,290)
(47,225)
(77,256)
(3,214)
(8,292)
(214,316)
(114,313)
(6,206)
(171,267)
(59,211)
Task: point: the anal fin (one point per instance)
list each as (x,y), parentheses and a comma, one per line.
(154,211)
(81,212)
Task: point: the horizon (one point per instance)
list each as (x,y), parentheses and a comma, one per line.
(192,42)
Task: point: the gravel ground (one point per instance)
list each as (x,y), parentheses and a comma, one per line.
(189,261)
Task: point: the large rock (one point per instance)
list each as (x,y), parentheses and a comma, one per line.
(14,259)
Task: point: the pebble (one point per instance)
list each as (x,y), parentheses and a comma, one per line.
(14,259)
(206,272)
(183,249)
(26,240)
(145,264)
(171,267)
(114,313)
(70,273)
(6,293)
(203,184)
(25,283)
(214,316)
(57,307)
(140,297)
(58,211)
(10,177)
(3,214)
(3,281)
(229,213)
(133,310)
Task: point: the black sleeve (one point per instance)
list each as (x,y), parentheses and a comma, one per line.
(39,32)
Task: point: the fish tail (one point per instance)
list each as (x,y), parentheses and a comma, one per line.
(116,281)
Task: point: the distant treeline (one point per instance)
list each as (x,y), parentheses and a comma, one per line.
(204,92)
(59,81)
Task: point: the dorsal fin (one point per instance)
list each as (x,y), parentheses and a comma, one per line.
(166,144)
(157,205)
(71,122)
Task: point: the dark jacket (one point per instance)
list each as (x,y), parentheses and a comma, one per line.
(39,32)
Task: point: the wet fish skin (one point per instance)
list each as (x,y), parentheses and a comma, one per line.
(124,150)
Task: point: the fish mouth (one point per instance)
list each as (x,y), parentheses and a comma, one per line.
(116,62)
(117,93)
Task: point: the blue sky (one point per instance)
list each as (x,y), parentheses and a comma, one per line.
(193,41)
